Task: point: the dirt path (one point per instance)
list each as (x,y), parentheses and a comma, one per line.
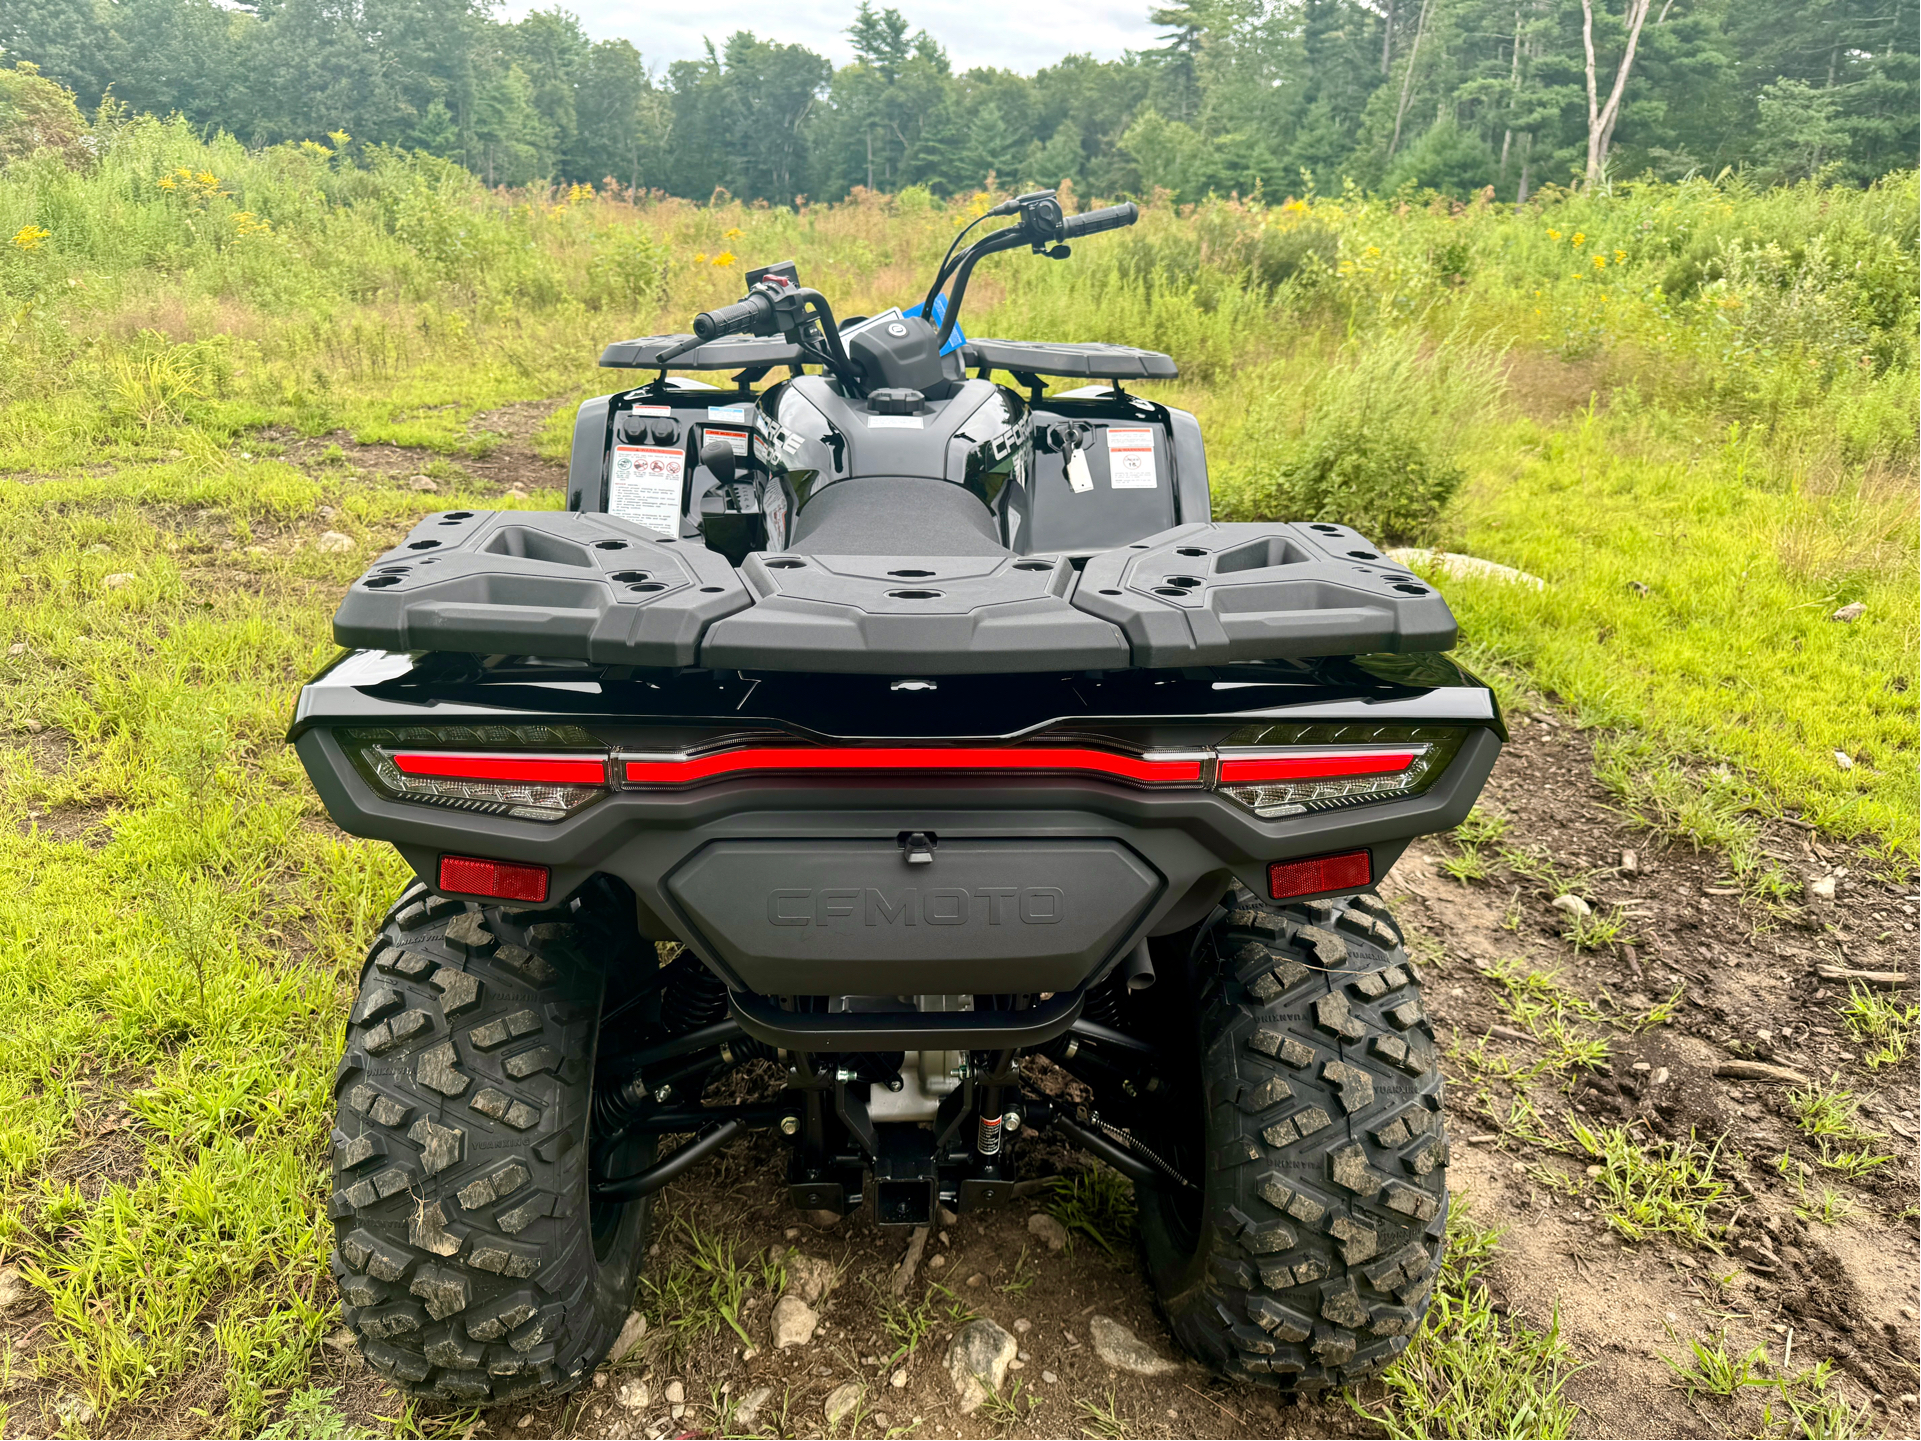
(1847,1292)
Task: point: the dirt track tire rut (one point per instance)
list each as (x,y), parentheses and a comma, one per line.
(1320,1229)
(470,1264)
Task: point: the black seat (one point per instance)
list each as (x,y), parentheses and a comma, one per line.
(889,516)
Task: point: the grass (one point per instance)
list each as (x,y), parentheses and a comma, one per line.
(1096,1203)
(1813,1406)
(703,1283)
(1104,1420)
(179,929)
(1472,1372)
(1662,1188)
(1884,1026)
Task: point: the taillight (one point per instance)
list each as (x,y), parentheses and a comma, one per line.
(502,880)
(1287,770)
(1151,768)
(517,771)
(1348,871)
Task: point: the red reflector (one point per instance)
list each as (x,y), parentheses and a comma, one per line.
(549,770)
(1241,771)
(679,771)
(504,880)
(1348,871)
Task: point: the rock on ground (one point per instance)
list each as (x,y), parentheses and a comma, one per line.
(632,1396)
(631,1330)
(809,1277)
(748,1407)
(977,1362)
(12,1291)
(1450,563)
(840,1401)
(1044,1227)
(794,1322)
(1124,1351)
(333,540)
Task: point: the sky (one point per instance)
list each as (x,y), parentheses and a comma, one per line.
(1023,35)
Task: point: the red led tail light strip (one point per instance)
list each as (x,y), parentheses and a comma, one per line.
(1177,769)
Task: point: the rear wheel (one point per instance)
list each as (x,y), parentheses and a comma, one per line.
(471,1263)
(1304,1252)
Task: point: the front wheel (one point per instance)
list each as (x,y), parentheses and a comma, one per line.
(1304,1249)
(471,1262)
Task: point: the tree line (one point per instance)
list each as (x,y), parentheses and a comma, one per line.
(1242,95)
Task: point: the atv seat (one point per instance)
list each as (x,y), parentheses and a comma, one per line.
(884,515)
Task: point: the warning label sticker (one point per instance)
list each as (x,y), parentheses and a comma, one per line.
(1080,479)
(645,486)
(736,438)
(1130,457)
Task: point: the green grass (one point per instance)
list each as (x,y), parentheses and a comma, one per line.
(1472,1372)
(1884,1026)
(1657,1188)
(1096,1203)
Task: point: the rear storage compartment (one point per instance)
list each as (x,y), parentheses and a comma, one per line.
(823,917)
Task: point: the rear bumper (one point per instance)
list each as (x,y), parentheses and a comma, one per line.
(1168,855)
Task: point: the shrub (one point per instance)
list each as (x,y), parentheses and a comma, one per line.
(1370,439)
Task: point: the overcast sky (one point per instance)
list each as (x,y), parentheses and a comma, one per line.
(1022,35)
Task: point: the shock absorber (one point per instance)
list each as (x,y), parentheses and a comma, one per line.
(691,997)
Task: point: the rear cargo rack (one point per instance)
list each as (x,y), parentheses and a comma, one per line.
(596,588)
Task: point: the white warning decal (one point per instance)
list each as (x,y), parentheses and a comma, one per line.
(1130,457)
(645,486)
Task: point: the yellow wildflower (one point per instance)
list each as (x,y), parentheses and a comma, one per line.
(1600,262)
(1554,235)
(28,237)
(339,138)
(1580,238)
(700,258)
(245,222)
(1373,251)
(207,179)
(167,182)
(1620,257)
(579,193)
(733,234)
(726,257)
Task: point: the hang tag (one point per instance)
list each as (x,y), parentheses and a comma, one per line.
(1079,478)
(773,510)
(1130,458)
(645,486)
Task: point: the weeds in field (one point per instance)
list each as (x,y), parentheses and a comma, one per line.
(1830,1115)
(1661,1188)
(311,1415)
(1105,1422)
(1813,1409)
(702,1287)
(1828,1206)
(1482,828)
(1097,1203)
(1884,1027)
(1599,931)
(1472,1372)
(1007,1410)
(1712,1369)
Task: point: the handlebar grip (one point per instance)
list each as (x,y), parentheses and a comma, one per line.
(1109,217)
(732,319)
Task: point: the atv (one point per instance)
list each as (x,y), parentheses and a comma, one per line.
(896,758)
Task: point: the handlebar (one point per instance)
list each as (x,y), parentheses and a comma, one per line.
(732,319)
(1109,217)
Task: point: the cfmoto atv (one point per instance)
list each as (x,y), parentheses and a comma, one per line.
(878,714)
